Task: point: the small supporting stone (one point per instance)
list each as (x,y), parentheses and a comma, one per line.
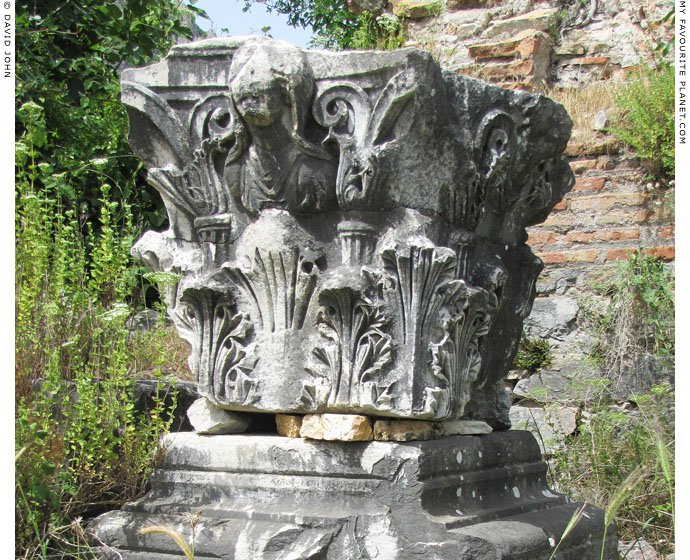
(209,419)
(337,427)
(404,430)
(289,425)
(464,428)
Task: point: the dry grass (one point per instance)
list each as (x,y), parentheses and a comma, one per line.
(160,349)
(584,103)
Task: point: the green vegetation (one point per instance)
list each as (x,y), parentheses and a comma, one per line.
(68,57)
(384,32)
(646,119)
(337,26)
(533,354)
(636,317)
(80,201)
(609,446)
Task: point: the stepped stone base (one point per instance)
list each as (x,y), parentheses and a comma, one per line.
(269,497)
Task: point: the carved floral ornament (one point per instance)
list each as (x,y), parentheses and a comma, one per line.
(348,229)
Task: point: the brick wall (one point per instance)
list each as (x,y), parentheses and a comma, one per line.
(609,214)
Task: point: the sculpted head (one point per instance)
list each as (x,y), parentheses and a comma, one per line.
(273,81)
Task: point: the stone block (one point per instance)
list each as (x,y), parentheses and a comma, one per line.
(527,44)
(638,550)
(560,206)
(464,428)
(471,4)
(506,70)
(289,425)
(603,235)
(416,9)
(267,498)
(582,165)
(403,430)
(545,386)
(549,425)
(541,238)
(622,217)
(541,20)
(667,232)
(600,121)
(206,418)
(570,49)
(552,317)
(337,427)
(606,201)
(667,253)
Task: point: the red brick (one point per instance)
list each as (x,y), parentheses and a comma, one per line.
(557,257)
(562,205)
(589,184)
(666,253)
(517,69)
(574,148)
(605,201)
(668,232)
(541,238)
(588,60)
(619,254)
(613,235)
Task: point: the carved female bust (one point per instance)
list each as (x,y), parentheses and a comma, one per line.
(272,90)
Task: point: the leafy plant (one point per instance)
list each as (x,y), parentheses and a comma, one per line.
(533,354)
(81,447)
(646,118)
(339,24)
(69,58)
(383,32)
(592,465)
(637,316)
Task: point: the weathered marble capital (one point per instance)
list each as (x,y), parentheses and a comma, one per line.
(348,228)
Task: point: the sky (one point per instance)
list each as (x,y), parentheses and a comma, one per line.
(228,14)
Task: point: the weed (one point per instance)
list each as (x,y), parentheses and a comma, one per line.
(81,447)
(646,119)
(533,354)
(384,32)
(584,103)
(187,549)
(634,318)
(591,466)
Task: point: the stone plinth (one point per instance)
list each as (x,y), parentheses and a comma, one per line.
(461,497)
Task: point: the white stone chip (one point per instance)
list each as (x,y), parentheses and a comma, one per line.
(206,418)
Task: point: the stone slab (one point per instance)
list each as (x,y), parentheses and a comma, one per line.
(289,425)
(270,497)
(337,427)
(464,428)
(403,430)
(207,418)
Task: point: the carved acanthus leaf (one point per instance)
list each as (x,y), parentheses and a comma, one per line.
(356,348)
(222,355)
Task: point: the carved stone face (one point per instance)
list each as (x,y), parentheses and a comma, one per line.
(258,98)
